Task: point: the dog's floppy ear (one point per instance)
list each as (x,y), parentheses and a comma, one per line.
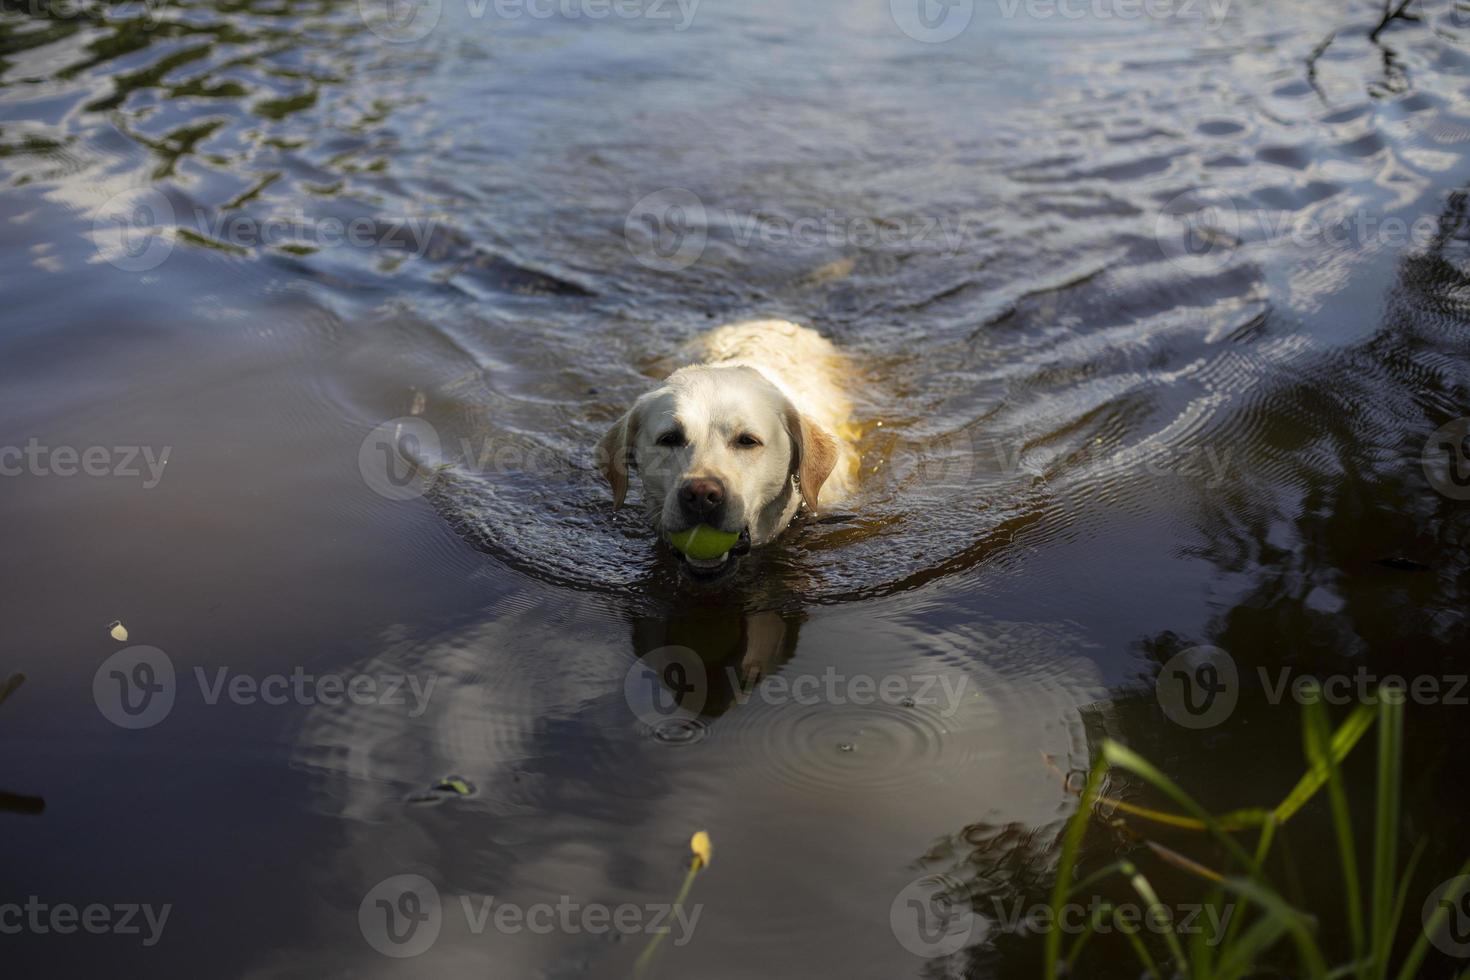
(813,455)
(615,454)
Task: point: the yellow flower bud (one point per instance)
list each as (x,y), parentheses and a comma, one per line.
(700,845)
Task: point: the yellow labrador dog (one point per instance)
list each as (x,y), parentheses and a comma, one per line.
(754,429)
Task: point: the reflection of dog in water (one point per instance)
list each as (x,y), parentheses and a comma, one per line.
(704,660)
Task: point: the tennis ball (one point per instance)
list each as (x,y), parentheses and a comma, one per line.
(703,542)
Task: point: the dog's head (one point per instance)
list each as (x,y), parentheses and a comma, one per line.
(718,446)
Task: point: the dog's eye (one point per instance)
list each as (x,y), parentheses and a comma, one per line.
(671,440)
(747,440)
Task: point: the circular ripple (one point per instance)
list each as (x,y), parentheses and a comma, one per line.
(679,731)
(880,747)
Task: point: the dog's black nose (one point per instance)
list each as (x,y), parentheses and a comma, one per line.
(702,497)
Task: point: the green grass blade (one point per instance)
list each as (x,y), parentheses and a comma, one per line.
(1417,952)
(1267,838)
(1238,957)
(1256,890)
(1386,825)
(1201,951)
(1067,862)
(1115,868)
(1316,735)
(1081,941)
(1183,863)
(1126,758)
(1139,949)
(1234,820)
(1297,924)
(1263,847)
(1146,892)
(1343,740)
(1405,880)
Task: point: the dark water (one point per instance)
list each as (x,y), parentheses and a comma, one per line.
(1152,321)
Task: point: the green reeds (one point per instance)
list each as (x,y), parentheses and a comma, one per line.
(1262,921)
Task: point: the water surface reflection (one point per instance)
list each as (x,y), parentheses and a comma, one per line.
(1158,377)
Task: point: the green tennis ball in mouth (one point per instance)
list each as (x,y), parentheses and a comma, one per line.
(703,542)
